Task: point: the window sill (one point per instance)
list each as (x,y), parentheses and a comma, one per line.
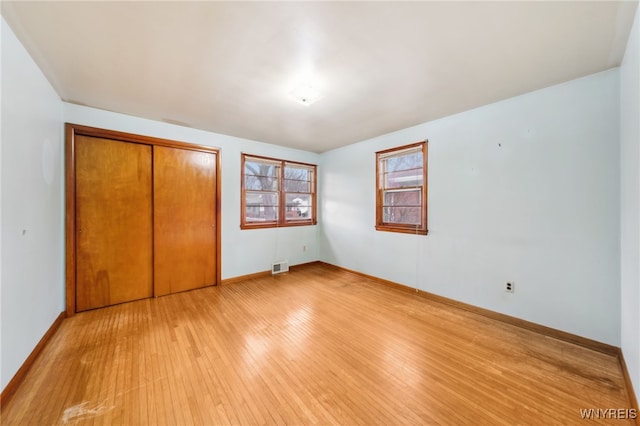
(402,229)
(277,225)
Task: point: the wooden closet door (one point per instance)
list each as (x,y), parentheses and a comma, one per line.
(184,219)
(114,242)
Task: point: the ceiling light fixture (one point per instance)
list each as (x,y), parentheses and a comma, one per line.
(306,94)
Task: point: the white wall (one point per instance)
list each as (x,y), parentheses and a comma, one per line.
(523,190)
(630,204)
(32,255)
(243,251)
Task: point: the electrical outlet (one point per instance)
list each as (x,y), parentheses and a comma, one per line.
(509,287)
(304,248)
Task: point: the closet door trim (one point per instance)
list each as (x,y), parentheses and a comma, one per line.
(71,130)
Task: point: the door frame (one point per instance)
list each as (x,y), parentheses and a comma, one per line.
(71,130)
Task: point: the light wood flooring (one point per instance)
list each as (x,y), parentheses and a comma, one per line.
(314,346)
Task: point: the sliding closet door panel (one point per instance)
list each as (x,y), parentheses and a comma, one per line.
(114,242)
(184,219)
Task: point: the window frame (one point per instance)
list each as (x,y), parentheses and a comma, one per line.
(381,225)
(281,220)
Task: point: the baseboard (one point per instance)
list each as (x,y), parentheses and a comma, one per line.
(633,401)
(304,265)
(247,277)
(13,385)
(263,274)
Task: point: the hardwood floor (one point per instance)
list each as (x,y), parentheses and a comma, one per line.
(314,346)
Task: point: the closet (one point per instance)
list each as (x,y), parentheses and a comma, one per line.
(142,217)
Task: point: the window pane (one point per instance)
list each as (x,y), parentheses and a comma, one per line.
(403,198)
(297,185)
(298,206)
(260,168)
(260,183)
(261,207)
(411,160)
(403,178)
(260,176)
(297,179)
(406,215)
(297,172)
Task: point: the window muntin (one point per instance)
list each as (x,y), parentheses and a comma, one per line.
(277,193)
(401,186)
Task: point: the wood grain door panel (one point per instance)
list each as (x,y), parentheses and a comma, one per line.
(114,241)
(184,219)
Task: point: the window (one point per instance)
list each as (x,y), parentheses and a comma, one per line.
(401,189)
(277,193)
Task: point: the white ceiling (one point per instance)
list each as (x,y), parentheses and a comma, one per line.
(228,67)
